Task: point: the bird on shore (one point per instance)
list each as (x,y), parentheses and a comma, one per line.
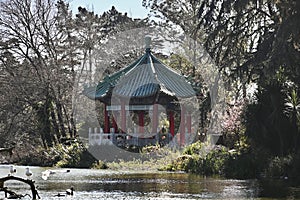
(48,172)
(12,170)
(28,173)
(69,192)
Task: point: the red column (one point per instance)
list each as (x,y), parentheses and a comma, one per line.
(123,117)
(189,123)
(155,118)
(182,125)
(171,123)
(106,120)
(141,122)
(114,122)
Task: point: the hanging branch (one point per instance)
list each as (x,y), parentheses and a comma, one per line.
(30,182)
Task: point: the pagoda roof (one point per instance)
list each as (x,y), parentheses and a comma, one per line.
(145,77)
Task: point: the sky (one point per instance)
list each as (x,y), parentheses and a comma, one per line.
(133,8)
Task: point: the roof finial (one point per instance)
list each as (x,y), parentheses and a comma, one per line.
(147,42)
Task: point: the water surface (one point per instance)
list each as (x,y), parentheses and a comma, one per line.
(141,185)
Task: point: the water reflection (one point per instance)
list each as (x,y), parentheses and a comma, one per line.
(108,184)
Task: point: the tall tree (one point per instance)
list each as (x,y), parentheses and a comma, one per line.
(247,39)
(45,52)
(32,26)
(253,41)
(99,52)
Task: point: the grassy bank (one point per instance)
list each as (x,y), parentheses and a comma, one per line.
(198,158)
(244,163)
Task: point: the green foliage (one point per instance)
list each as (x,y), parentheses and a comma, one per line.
(154,158)
(194,148)
(38,156)
(200,158)
(293,170)
(267,124)
(249,42)
(39,89)
(212,164)
(100,165)
(74,155)
(279,166)
(70,155)
(243,166)
(292,107)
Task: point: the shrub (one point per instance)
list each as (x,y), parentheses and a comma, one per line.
(211,164)
(75,155)
(201,158)
(279,166)
(194,148)
(100,165)
(241,166)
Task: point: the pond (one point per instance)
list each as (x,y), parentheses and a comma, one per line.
(114,185)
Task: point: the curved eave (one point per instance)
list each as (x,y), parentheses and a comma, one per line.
(90,92)
(109,81)
(172,81)
(144,78)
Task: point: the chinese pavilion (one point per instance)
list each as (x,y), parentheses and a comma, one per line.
(135,96)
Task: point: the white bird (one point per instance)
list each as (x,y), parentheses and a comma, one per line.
(47,173)
(28,173)
(12,170)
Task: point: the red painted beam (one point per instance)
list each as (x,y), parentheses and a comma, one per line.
(171,123)
(155,118)
(189,123)
(106,120)
(123,117)
(182,125)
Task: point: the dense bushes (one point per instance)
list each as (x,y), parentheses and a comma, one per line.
(204,159)
(242,166)
(286,167)
(272,120)
(75,155)
(63,155)
(212,163)
(201,158)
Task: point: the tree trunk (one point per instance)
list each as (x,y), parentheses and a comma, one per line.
(55,125)
(59,112)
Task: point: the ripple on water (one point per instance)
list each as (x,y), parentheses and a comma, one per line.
(115,185)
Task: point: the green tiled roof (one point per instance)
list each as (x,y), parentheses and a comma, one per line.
(145,77)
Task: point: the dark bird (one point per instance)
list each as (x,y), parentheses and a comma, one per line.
(17,196)
(69,192)
(60,195)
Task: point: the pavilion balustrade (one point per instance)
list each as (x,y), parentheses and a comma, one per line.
(112,134)
(121,139)
(98,137)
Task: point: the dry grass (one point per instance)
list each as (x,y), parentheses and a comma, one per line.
(153,159)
